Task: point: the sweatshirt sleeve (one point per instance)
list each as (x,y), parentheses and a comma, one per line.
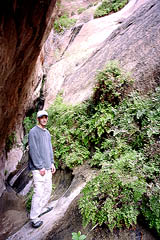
(33,151)
(51,151)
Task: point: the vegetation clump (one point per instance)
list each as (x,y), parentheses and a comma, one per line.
(109,6)
(11,140)
(80,10)
(78,236)
(28,199)
(117,132)
(62,23)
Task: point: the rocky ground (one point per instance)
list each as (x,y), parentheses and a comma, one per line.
(65,218)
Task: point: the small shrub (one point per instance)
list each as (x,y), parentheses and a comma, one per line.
(151,207)
(63,23)
(117,132)
(29,122)
(112,84)
(78,236)
(80,10)
(11,140)
(109,6)
(111,200)
(29,199)
(64,125)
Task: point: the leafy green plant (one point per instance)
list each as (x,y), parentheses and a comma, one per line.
(112,199)
(80,10)
(66,136)
(29,199)
(29,122)
(62,23)
(109,6)
(117,132)
(11,140)
(151,207)
(78,236)
(112,84)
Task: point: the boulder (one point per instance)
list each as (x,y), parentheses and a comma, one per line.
(13,213)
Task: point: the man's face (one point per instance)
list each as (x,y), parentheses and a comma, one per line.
(43,121)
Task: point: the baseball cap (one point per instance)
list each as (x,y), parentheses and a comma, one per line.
(42,113)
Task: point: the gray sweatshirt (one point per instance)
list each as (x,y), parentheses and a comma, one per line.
(40,149)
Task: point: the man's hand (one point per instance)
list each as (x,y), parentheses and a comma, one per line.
(53,169)
(42,171)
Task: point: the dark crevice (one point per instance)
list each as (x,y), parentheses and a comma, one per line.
(74,33)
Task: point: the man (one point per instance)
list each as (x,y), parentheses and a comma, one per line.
(42,165)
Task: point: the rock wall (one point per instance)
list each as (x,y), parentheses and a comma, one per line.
(130,36)
(24,26)
(135,44)
(76,5)
(14,155)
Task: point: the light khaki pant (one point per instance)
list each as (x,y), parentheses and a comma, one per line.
(42,193)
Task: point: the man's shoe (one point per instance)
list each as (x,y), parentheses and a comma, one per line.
(37,224)
(48,209)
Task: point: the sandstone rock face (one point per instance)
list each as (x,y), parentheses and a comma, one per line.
(13,213)
(24,28)
(72,73)
(135,44)
(15,154)
(72,6)
(13,157)
(57,46)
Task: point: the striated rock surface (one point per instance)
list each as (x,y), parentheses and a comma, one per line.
(135,44)
(130,36)
(24,27)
